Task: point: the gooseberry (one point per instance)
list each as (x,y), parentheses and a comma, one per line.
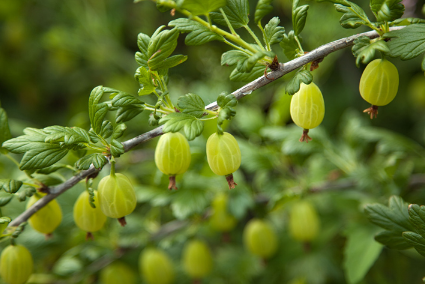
(86,217)
(117,272)
(16,264)
(220,219)
(197,260)
(48,218)
(156,266)
(260,238)
(304,222)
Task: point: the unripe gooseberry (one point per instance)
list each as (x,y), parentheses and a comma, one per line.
(224,156)
(16,264)
(156,267)
(48,218)
(86,217)
(116,196)
(117,272)
(172,156)
(220,219)
(197,260)
(260,238)
(307,108)
(378,84)
(304,222)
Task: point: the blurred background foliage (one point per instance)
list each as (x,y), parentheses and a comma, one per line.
(52,53)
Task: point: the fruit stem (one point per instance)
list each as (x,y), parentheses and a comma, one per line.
(122,221)
(112,166)
(372,111)
(172,183)
(307,247)
(305,136)
(89,236)
(230,181)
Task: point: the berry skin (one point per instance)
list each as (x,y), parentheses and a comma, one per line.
(197,260)
(220,219)
(16,264)
(260,238)
(86,217)
(48,218)
(156,267)
(307,108)
(378,84)
(117,272)
(304,223)
(224,156)
(172,156)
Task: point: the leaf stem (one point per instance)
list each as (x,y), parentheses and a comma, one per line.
(229,25)
(254,37)
(158,110)
(12,159)
(237,47)
(299,45)
(31,184)
(268,47)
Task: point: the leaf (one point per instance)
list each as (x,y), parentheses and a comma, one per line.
(408,42)
(360,253)
(364,51)
(415,240)
(202,7)
(143,44)
(198,34)
(97,159)
(233,57)
(45,155)
(386,10)
(237,12)
(171,62)
(106,130)
(293,86)
(299,17)
(226,100)
(353,17)
(256,72)
(121,100)
(68,135)
(5,200)
(176,121)
(263,8)
(127,113)
(10,185)
(147,87)
(189,201)
(290,46)
(97,111)
(161,45)
(394,218)
(247,64)
(117,149)
(119,130)
(394,238)
(407,21)
(417,218)
(191,104)
(4,128)
(273,33)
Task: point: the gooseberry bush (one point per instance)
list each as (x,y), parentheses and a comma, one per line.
(230,194)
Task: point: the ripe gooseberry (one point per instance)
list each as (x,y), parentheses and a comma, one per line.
(197,260)
(307,108)
(117,272)
(378,84)
(48,218)
(86,217)
(116,196)
(220,219)
(172,156)
(16,264)
(304,222)
(260,238)
(224,156)
(156,266)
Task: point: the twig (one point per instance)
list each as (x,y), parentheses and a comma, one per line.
(285,68)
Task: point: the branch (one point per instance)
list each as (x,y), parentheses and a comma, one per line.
(284,69)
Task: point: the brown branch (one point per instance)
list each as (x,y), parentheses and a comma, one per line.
(283,69)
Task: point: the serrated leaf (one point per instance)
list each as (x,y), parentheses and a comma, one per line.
(4,128)
(365,52)
(24,143)
(299,17)
(10,185)
(161,45)
(263,8)
(117,149)
(353,17)
(408,42)
(198,34)
(246,65)
(226,100)
(293,86)
(119,130)
(68,135)
(417,218)
(387,10)
(202,7)
(49,170)
(143,44)
(273,33)
(191,104)
(121,100)
(290,45)
(394,238)
(256,72)
(147,87)
(171,62)
(49,180)
(97,110)
(176,121)
(415,240)
(106,129)
(5,200)
(237,12)
(44,156)
(97,159)
(127,113)
(407,21)
(233,57)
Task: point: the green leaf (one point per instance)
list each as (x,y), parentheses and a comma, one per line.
(304,76)
(233,57)
(171,62)
(237,12)
(143,44)
(10,185)
(415,240)
(119,130)
(97,159)
(263,8)
(394,238)
(360,253)
(121,100)
(106,130)
(127,113)
(189,201)
(198,34)
(273,33)
(408,42)
(191,104)
(147,87)
(365,51)
(5,200)
(246,65)
(97,110)
(4,128)
(202,7)
(45,155)
(256,72)
(299,17)
(226,100)
(290,46)
(51,169)
(394,218)
(161,45)
(417,218)
(176,121)
(68,135)
(24,143)
(117,149)
(407,21)
(387,10)
(353,17)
